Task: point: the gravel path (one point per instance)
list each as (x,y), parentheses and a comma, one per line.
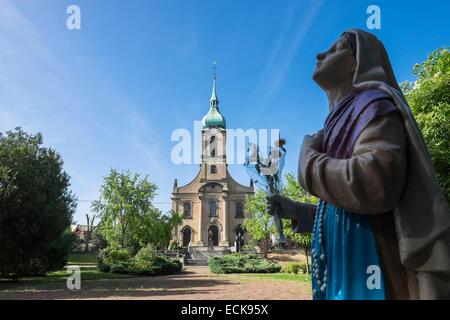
(196,283)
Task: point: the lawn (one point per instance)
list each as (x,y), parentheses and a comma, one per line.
(88,268)
(274,277)
(82,259)
(86,273)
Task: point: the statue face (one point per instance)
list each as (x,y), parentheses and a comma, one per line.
(336,65)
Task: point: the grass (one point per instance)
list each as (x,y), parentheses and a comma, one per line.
(82,258)
(89,273)
(275,277)
(88,270)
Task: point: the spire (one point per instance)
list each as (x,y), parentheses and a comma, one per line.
(214,118)
(214,101)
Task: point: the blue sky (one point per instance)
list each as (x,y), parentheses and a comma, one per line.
(111,94)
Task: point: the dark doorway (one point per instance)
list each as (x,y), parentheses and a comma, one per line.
(213,236)
(239,238)
(186,236)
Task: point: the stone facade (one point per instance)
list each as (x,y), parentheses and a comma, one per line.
(213,203)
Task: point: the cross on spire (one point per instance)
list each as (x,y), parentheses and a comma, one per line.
(214,101)
(214,66)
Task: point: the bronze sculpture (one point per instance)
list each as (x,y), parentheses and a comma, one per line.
(381,206)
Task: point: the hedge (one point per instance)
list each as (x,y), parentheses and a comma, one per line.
(294,267)
(145,262)
(242,263)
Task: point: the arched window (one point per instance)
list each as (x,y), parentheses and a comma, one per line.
(213,169)
(213,208)
(212,146)
(239,210)
(187,210)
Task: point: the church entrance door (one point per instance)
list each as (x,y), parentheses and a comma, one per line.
(213,236)
(239,238)
(186,236)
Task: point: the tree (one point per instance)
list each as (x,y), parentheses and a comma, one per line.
(90,228)
(127,217)
(259,223)
(174,221)
(295,192)
(36,207)
(167,224)
(429,99)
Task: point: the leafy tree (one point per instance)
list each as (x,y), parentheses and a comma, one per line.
(168,223)
(174,221)
(36,207)
(90,219)
(429,99)
(295,192)
(259,222)
(127,217)
(260,226)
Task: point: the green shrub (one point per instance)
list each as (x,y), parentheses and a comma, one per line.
(112,256)
(242,263)
(120,267)
(145,258)
(294,267)
(145,262)
(174,245)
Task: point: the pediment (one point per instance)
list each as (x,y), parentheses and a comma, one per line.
(211,187)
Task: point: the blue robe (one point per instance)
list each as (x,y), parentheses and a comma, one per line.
(347,264)
(349,255)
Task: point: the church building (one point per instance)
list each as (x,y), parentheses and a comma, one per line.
(212,204)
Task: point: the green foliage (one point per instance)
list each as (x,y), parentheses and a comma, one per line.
(168,223)
(145,258)
(294,191)
(242,263)
(174,245)
(259,223)
(429,99)
(145,262)
(128,218)
(36,207)
(111,256)
(294,267)
(249,249)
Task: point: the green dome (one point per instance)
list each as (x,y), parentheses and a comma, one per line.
(214,118)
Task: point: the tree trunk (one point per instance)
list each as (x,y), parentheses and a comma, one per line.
(88,234)
(88,238)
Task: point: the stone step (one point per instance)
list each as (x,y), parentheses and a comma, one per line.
(197,262)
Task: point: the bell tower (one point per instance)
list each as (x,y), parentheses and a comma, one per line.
(214,138)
